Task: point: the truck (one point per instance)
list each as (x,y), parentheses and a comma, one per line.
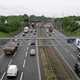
(26,29)
(10,48)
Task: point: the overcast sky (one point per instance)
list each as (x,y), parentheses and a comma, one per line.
(50,8)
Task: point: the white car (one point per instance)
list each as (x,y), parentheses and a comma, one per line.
(32,52)
(12,71)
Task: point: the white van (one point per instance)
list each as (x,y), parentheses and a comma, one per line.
(12,71)
(26,29)
(32,52)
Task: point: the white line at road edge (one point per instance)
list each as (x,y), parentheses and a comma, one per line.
(24,63)
(21,76)
(39,73)
(3,76)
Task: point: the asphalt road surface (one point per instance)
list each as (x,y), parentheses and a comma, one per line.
(28,65)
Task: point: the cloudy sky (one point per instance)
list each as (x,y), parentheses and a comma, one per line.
(50,8)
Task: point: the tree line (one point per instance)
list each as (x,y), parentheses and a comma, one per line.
(68,25)
(10,24)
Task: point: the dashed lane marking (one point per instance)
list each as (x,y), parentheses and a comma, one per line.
(3,76)
(26,54)
(10,61)
(27,48)
(14,54)
(24,63)
(21,76)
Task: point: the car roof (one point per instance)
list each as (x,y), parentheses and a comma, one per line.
(12,68)
(32,50)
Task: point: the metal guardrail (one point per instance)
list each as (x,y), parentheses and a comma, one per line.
(40,38)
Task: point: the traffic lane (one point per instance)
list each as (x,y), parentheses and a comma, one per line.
(63,38)
(65,51)
(11,61)
(64,44)
(71,59)
(30,69)
(20,56)
(74,52)
(4,61)
(69,47)
(60,35)
(22,61)
(17,59)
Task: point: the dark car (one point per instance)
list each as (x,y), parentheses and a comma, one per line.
(33,43)
(70,40)
(77,68)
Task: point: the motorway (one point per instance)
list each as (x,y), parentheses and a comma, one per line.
(28,65)
(29,68)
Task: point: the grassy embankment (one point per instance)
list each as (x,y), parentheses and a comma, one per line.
(10,25)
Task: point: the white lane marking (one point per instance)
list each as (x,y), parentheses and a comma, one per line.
(21,76)
(26,54)
(28,44)
(24,63)
(73,57)
(39,73)
(10,61)
(14,54)
(3,76)
(27,48)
